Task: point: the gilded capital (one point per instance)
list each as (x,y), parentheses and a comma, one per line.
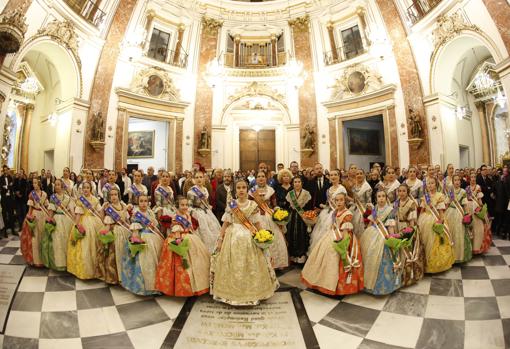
(211,25)
(300,23)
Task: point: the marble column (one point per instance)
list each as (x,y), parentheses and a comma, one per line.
(307,102)
(332,43)
(178,45)
(26,111)
(103,80)
(122,120)
(204,93)
(178,145)
(409,77)
(499,10)
(237,47)
(482,113)
(333,158)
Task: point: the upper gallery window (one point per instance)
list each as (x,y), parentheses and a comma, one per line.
(352,43)
(88,9)
(346,42)
(158,47)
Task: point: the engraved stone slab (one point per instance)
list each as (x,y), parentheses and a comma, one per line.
(10,276)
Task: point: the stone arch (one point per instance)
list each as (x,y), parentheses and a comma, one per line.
(234,102)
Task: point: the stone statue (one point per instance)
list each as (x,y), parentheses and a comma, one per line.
(97,126)
(415,124)
(204,139)
(308,137)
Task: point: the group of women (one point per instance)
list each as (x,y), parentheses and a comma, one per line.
(178,248)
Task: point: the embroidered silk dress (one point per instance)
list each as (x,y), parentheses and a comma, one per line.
(415,189)
(134,192)
(298,237)
(172,278)
(390,189)
(453,216)
(106,191)
(325,270)
(362,196)
(68,186)
(481,230)
(164,198)
(208,226)
(31,238)
(241,272)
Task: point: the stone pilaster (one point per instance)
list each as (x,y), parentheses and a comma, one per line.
(26,111)
(103,79)
(237,53)
(499,10)
(307,102)
(274,50)
(333,158)
(332,43)
(409,78)
(178,45)
(122,118)
(178,145)
(204,100)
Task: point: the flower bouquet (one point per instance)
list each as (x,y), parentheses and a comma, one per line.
(366,214)
(31,223)
(310,218)
(106,237)
(180,246)
(49,225)
(165,221)
(341,246)
(136,245)
(77,233)
(263,238)
(281,216)
(481,212)
(467,220)
(407,232)
(438,228)
(395,242)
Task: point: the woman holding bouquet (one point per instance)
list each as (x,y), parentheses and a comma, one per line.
(481,230)
(241,273)
(434,233)
(324,221)
(362,201)
(140,261)
(164,198)
(183,269)
(34,225)
(299,200)
(383,266)
(415,184)
(338,269)
(208,224)
(454,217)
(136,190)
(54,243)
(82,242)
(265,198)
(414,255)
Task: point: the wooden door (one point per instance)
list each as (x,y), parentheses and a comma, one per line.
(256,147)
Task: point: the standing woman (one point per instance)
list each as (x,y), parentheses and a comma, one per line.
(164,197)
(454,215)
(241,273)
(382,267)
(136,190)
(61,209)
(283,188)
(328,271)
(447,181)
(139,271)
(482,236)
(439,254)
(81,247)
(265,198)
(415,184)
(34,228)
(67,182)
(209,227)
(299,200)
(362,197)
(390,184)
(324,221)
(414,255)
(175,275)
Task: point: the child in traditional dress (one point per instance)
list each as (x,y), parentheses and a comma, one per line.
(415,184)
(241,272)
(298,237)
(362,200)
(336,270)
(164,199)
(481,228)
(454,216)
(208,224)
(186,273)
(109,185)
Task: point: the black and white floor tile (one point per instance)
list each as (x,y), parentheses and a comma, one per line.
(466,307)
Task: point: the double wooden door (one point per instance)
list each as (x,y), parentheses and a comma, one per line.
(256,147)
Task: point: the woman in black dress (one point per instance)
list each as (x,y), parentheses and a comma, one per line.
(282,188)
(298,238)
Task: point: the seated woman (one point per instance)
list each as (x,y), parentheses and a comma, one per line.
(382,267)
(328,270)
(241,273)
(189,275)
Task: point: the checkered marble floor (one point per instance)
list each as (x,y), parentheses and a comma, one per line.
(465,307)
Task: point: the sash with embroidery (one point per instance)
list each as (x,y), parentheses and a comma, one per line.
(293,198)
(436,215)
(36,197)
(55,200)
(183,222)
(200,196)
(260,201)
(135,190)
(456,202)
(113,214)
(163,192)
(378,222)
(107,187)
(241,216)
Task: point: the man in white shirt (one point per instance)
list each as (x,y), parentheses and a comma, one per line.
(127,184)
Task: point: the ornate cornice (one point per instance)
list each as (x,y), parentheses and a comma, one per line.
(256,89)
(12,30)
(62,32)
(355,80)
(254,73)
(300,23)
(211,25)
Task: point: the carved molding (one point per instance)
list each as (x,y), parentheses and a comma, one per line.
(356,80)
(254,73)
(300,23)
(449,27)
(12,30)
(144,84)
(63,32)
(256,89)
(211,25)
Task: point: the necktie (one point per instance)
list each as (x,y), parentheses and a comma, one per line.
(320,183)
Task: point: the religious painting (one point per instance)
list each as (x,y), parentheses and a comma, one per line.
(140,144)
(356,82)
(363,141)
(155,85)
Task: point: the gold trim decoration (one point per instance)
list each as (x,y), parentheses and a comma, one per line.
(142,81)
(254,73)
(63,32)
(372,81)
(256,89)
(300,23)
(211,25)
(12,30)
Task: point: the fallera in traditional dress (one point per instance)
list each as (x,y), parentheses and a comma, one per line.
(278,249)
(480,229)
(325,270)
(453,216)
(209,228)
(414,255)
(138,274)
(383,275)
(172,276)
(298,237)
(362,196)
(415,189)
(439,254)
(134,192)
(106,191)
(31,238)
(323,224)
(241,272)
(390,189)
(54,245)
(164,198)
(68,186)
(81,254)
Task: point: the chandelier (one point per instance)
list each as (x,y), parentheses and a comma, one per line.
(483,82)
(30,85)
(295,73)
(214,71)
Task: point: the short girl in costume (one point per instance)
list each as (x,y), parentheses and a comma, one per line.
(362,199)
(136,190)
(298,237)
(482,236)
(164,200)
(453,216)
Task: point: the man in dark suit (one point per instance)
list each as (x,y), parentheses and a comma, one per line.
(222,194)
(20,190)
(7,200)
(47,183)
(487,186)
(319,186)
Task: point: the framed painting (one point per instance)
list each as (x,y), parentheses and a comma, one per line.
(363,141)
(140,144)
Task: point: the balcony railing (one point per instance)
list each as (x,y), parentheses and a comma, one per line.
(419,9)
(342,54)
(176,58)
(89,10)
(254,61)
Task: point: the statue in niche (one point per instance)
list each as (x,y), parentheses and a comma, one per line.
(415,124)
(97,127)
(308,137)
(204,139)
